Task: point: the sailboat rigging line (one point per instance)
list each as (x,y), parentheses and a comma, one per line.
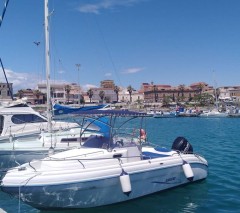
(3,13)
(9,89)
(108,51)
(215,90)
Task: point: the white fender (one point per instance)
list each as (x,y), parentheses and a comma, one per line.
(10,138)
(188,171)
(125,183)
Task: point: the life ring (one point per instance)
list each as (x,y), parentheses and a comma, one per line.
(143,134)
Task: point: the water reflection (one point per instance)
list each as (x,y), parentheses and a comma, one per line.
(186,199)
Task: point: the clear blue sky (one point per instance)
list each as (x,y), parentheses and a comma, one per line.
(129,41)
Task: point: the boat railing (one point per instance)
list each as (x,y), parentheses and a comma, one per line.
(80,158)
(74,157)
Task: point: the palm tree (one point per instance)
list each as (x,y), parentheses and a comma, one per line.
(218,92)
(20,93)
(116,90)
(90,94)
(200,87)
(101,95)
(52,92)
(181,87)
(166,101)
(155,89)
(173,97)
(82,101)
(37,93)
(68,89)
(130,90)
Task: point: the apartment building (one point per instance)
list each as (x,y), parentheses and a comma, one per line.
(5,91)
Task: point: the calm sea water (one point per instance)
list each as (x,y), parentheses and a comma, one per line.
(217,139)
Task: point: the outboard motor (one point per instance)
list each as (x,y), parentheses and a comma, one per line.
(181,144)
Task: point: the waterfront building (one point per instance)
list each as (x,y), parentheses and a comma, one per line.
(159,92)
(107,84)
(229,93)
(32,96)
(59,92)
(148,93)
(109,95)
(5,92)
(124,96)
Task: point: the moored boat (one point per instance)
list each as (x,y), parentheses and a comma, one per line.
(106,170)
(161,114)
(214,113)
(18,119)
(18,150)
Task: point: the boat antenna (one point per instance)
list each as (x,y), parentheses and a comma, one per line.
(47,58)
(3,13)
(9,89)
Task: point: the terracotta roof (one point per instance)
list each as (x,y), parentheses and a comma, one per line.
(196,84)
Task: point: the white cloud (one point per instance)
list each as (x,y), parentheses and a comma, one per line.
(106,4)
(61,71)
(19,80)
(133,70)
(88,86)
(108,74)
(26,80)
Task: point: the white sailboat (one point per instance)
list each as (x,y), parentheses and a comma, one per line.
(215,112)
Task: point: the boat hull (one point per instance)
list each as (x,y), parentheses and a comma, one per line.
(147,177)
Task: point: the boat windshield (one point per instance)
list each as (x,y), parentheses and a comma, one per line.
(26,118)
(95,141)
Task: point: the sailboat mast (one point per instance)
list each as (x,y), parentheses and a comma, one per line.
(215,89)
(47,61)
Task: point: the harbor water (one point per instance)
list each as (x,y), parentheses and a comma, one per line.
(217,139)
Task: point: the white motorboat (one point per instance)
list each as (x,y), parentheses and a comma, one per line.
(21,149)
(19,119)
(24,135)
(106,170)
(161,114)
(214,113)
(234,112)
